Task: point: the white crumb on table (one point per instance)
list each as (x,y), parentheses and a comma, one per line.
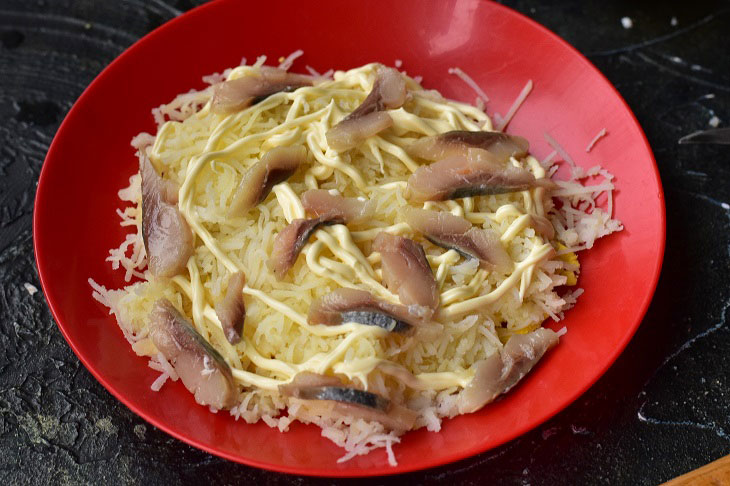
(32,289)
(714,122)
(627,22)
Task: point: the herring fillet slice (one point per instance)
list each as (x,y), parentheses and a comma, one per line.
(453,232)
(354,305)
(370,118)
(167,237)
(231,310)
(320,202)
(460,176)
(459,142)
(236,94)
(202,369)
(498,373)
(276,166)
(406,271)
(326,395)
(290,241)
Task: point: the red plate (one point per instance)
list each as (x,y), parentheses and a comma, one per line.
(90,160)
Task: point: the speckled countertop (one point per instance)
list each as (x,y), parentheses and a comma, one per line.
(661,410)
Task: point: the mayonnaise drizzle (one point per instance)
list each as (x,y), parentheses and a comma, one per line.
(334,252)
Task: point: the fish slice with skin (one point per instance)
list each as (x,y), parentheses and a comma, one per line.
(469,164)
(370,118)
(498,373)
(329,210)
(354,305)
(276,166)
(351,210)
(458,142)
(476,174)
(240,93)
(453,232)
(290,241)
(201,368)
(231,310)
(328,396)
(406,272)
(167,237)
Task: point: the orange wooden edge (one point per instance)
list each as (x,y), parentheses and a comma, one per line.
(716,473)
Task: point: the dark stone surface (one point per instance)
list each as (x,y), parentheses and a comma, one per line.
(661,410)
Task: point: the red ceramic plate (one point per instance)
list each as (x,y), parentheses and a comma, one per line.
(90,160)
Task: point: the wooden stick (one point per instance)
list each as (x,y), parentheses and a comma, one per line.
(713,474)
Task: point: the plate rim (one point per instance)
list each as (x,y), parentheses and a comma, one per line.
(54,306)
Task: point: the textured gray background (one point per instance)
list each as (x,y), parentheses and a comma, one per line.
(661,410)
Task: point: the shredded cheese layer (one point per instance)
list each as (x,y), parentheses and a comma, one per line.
(207,155)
